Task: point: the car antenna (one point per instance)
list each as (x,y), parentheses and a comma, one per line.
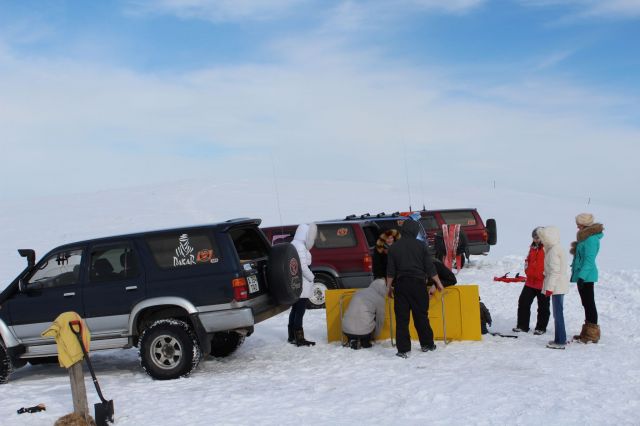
(275,185)
(406,170)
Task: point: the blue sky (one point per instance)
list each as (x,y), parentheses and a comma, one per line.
(118,93)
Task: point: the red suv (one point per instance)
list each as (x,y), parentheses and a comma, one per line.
(341,256)
(479,236)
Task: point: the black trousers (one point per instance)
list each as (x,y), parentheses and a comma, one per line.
(411,298)
(524,308)
(588,302)
(297,313)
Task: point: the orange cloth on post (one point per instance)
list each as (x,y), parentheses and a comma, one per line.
(69,350)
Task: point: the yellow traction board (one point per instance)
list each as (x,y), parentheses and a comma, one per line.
(462,309)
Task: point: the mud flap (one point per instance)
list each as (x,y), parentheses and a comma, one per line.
(204,341)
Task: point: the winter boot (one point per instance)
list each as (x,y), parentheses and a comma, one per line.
(591,334)
(300,340)
(582,332)
(291,339)
(355,344)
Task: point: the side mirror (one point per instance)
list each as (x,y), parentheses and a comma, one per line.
(30,255)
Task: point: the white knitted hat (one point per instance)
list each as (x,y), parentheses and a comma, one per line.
(584,219)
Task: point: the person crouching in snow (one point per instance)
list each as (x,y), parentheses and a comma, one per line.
(364,318)
(532,289)
(556,280)
(303,240)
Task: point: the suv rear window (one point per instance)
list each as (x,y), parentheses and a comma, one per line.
(465,218)
(178,250)
(249,243)
(335,236)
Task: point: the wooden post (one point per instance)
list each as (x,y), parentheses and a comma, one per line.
(78,390)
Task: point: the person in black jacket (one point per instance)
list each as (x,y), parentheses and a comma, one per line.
(386,240)
(409,266)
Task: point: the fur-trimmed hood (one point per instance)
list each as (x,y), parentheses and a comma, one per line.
(381,244)
(585,233)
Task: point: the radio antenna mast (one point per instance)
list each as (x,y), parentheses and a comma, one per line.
(406,170)
(275,185)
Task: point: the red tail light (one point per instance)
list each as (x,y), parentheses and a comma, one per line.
(485,236)
(240,289)
(368,263)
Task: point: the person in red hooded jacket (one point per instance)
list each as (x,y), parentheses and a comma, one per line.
(534,269)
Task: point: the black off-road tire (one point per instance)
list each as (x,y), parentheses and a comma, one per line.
(492,231)
(5,365)
(169,349)
(329,283)
(284,274)
(225,343)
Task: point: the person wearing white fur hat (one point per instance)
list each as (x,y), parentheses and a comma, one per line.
(556,280)
(584,272)
(303,240)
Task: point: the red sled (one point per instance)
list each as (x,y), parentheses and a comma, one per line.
(505,279)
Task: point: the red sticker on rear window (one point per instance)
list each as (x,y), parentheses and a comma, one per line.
(204,256)
(341,232)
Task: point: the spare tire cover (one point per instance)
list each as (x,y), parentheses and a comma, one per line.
(285,274)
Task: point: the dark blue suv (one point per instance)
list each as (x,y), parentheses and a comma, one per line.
(175,294)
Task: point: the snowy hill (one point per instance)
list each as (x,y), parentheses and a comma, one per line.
(495,381)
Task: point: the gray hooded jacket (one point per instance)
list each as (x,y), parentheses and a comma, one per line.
(366,310)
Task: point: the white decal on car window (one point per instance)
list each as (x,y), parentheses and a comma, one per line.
(184,252)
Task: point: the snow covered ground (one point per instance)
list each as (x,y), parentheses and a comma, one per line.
(495,381)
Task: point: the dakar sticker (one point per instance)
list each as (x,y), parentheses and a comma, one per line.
(184,252)
(204,256)
(341,232)
(293,267)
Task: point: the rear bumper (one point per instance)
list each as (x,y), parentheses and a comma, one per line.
(478,248)
(357,280)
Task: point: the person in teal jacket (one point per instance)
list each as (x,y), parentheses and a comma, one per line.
(584,272)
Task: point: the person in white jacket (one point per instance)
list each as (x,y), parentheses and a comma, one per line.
(303,240)
(556,280)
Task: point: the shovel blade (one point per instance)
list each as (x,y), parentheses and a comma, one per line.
(104,412)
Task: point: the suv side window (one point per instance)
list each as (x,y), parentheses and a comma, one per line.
(335,236)
(372,233)
(462,217)
(59,269)
(112,263)
(178,250)
(429,223)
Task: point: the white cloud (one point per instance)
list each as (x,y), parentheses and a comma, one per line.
(217,10)
(450,6)
(622,9)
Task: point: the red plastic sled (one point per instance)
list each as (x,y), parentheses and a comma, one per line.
(505,279)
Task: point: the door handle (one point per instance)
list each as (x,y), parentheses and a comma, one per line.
(69,294)
(131,288)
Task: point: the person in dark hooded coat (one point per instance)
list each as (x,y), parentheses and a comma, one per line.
(408,269)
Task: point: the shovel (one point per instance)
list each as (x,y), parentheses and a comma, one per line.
(104,409)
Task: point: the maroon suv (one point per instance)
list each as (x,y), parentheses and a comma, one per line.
(479,236)
(341,256)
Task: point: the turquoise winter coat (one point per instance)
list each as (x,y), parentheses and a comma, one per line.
(584,260)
